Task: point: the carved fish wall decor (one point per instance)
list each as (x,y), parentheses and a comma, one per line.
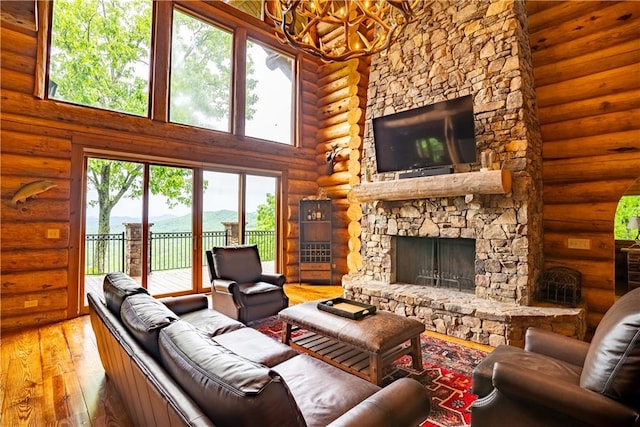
(30,190)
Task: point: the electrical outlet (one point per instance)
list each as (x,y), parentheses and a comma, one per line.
(31,303)
(53,233)
(579,244)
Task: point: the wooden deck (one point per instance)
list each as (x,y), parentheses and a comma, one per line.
(160,282)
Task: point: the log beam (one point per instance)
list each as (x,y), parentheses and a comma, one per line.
(458,184)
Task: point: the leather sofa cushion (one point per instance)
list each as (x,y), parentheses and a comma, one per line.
(212,322)
(256,347)
(238,263)
(144,316)
(230,389)
(186,303)
(612,365)
(323,392)
(117,287)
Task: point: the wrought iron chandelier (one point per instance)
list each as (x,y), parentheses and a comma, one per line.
(337,30)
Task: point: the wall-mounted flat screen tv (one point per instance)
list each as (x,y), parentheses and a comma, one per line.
(435,135)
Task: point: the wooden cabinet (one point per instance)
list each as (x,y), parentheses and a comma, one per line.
(315,241)
(633,267)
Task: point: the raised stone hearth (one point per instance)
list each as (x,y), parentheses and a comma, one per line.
(466,316)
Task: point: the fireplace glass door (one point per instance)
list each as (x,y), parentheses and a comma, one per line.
(437,262)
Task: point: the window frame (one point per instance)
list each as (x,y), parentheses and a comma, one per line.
(220,14)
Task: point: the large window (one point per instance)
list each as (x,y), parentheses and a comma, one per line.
(100,54)
(224,76)
(200,74)
(269,111)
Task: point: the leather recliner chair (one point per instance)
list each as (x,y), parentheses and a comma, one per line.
(239,288)
(560,381)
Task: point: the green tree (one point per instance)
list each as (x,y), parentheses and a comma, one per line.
(628,206)
(267,214)
(266,221)
(100,53)
(201,79)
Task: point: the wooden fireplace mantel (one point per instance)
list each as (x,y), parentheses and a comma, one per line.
(457,184)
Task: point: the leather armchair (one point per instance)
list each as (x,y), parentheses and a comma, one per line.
(239,288)
(560,381)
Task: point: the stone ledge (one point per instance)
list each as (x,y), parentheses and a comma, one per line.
(466,316)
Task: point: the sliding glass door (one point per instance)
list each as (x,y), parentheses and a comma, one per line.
(144,219)
(240,208)
(170,221)
(261,207)
(112,221)
(220,213)
(138,220)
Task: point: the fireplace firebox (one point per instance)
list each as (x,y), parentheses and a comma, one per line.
(438,262)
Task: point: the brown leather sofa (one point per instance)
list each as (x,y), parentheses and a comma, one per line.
(177,362)
(564,382)
(239,288)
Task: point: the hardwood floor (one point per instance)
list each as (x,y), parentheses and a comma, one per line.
(301,293)
(52,375)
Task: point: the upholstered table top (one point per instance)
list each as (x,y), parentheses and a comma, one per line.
(374,333)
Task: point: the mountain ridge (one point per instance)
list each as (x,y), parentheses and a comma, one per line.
(211,221)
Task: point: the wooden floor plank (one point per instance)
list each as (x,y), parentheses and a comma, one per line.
(24,400)
(58,399)
(88,367)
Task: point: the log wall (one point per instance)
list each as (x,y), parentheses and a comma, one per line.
(37,273)
(586,61)
(586,58)
(341,105)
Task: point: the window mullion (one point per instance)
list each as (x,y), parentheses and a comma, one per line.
(240,79)
(161,59)
(44,12)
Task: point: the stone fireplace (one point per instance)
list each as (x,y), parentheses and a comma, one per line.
(460,48)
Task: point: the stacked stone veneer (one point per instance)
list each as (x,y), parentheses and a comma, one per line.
(459,48)
(133,251)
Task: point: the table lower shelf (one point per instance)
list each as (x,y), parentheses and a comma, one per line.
(359,362)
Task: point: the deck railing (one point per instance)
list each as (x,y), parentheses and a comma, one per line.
(170,251)
(266,241)
(167,251)
(112,257)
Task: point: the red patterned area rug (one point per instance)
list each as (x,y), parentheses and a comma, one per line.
(446,374)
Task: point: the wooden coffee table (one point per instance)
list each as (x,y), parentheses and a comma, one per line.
(363,347)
